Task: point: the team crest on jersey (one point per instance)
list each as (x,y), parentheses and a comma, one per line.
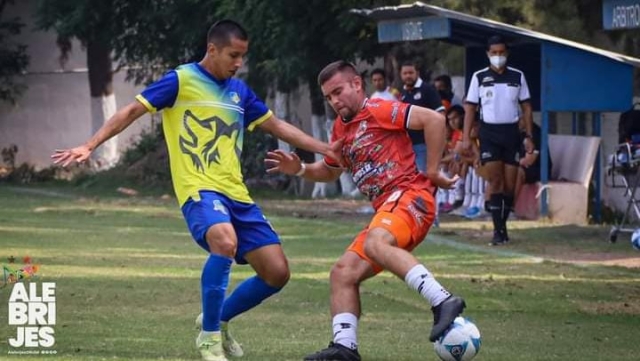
(417,96)
(235,97)
(362,128)
(489,94)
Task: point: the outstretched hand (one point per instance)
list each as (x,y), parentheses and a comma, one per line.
(67,156)
(283,162)
(442,181)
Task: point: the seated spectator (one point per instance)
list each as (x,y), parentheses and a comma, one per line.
(529,171)
(452,159)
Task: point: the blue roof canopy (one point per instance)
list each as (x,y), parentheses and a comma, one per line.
(575,76)
(563,76)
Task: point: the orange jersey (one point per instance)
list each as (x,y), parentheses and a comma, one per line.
(456,136)
(377,150)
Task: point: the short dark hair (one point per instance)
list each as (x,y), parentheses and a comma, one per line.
(445,79)
(221,32)
(496,39)
(456,108)
(409,63)
(378,71)
(340,66)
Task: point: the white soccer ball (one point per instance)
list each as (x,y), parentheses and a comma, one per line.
(635,239)
(461,341)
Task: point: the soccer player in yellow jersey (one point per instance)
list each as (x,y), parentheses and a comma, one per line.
(205,113)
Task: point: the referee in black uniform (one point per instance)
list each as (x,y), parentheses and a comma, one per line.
(501,95)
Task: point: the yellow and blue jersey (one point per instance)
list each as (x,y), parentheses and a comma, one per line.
(203,120)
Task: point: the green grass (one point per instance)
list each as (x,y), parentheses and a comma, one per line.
(127,275)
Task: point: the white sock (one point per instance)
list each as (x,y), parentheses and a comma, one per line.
(421,280)
(345,330)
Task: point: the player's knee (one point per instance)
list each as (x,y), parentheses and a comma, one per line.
(221,240)
(341,274)
(222,246)
(497,183)
(278,275)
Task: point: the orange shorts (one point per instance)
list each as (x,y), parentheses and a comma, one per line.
(407,215)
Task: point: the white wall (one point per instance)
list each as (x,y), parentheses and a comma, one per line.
(54,112)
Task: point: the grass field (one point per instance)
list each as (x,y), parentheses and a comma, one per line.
(127,275)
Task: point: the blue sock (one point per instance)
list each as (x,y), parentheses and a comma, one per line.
(250,293)
(214,281)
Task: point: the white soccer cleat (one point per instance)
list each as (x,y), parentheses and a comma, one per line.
(210,347)
(230,346)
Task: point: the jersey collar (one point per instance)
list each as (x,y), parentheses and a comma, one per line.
(210,76)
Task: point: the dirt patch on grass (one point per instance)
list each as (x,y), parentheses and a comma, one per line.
(609,307)
(335,209)
(567,244)
(605,259)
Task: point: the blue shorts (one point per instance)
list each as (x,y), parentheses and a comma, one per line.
(252,228)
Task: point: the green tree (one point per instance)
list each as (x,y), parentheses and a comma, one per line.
(13,56)
(293,40)
(92,23)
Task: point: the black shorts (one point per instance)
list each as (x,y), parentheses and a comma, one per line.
(531,175)
(500,143)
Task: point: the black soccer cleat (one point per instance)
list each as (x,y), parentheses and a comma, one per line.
(498,239)
(335,352)
(444,314)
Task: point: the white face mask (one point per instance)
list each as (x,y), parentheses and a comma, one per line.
(498,61)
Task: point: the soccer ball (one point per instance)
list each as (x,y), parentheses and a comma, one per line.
(461,341)
(635,239)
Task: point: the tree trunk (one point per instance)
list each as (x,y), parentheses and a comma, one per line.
(103,101)
(282,110)
(281,105)
(318,128)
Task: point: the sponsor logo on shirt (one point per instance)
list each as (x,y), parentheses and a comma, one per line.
(394,112)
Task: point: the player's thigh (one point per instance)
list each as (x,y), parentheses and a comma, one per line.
(481,171)
(209,222)
(255,232)
(407,215)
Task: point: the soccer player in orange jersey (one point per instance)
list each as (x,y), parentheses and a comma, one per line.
(377,151)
